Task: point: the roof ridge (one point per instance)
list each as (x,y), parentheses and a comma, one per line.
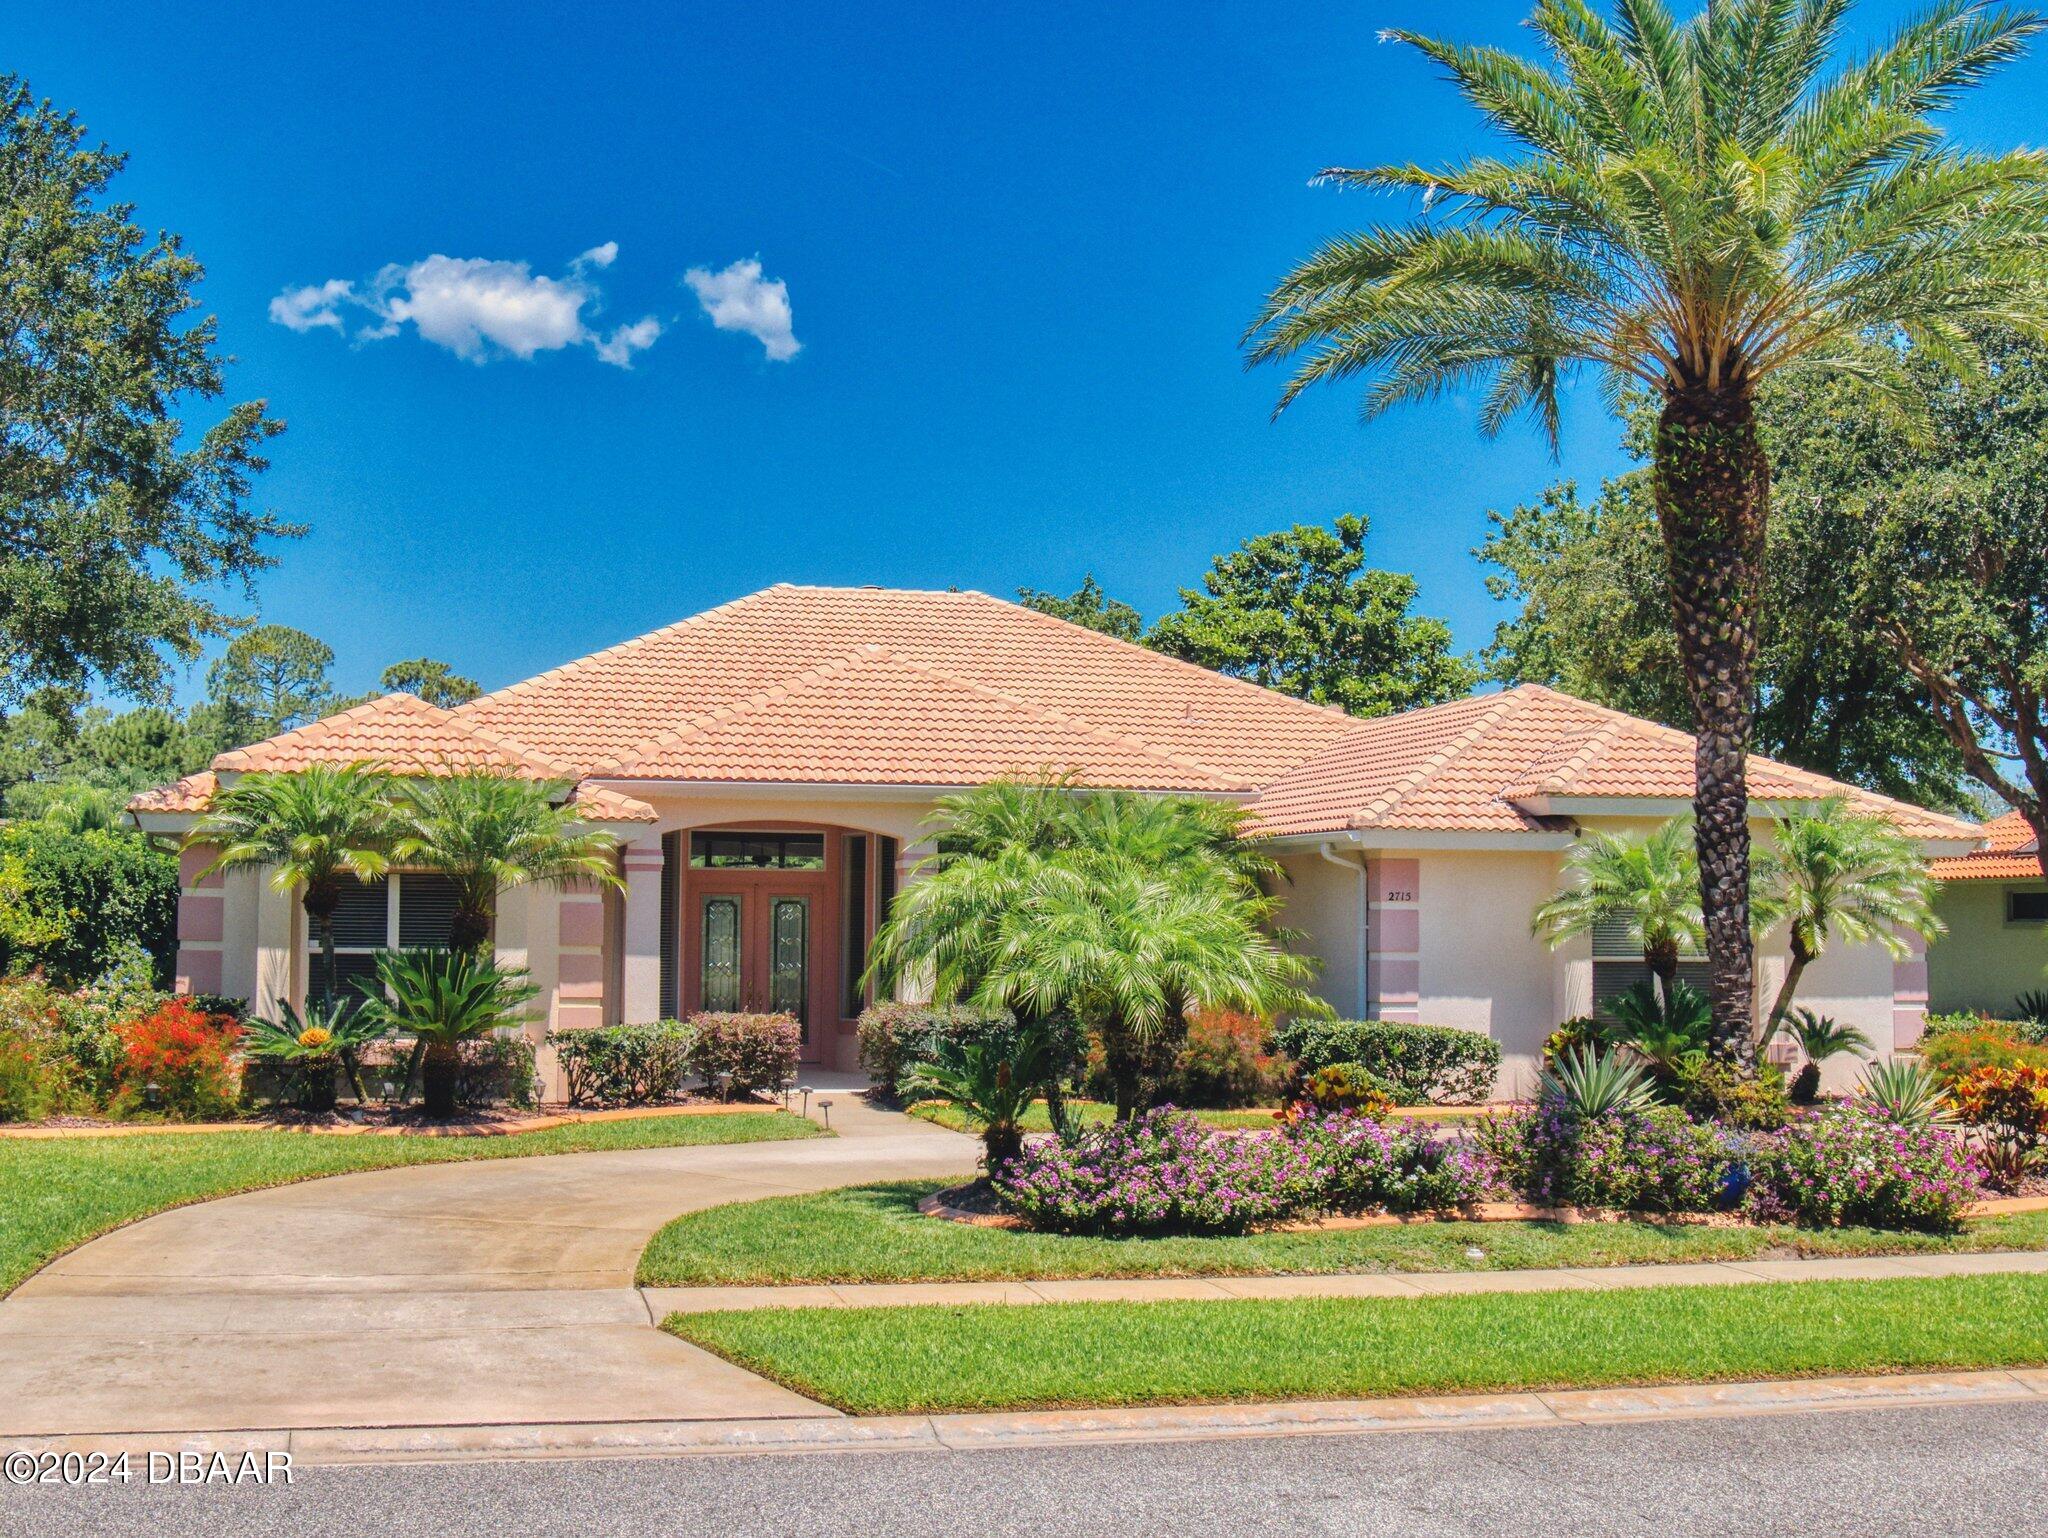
(631,643)
(1210,674)
(362,711)
(1053,715)
(868,653)
(669,736)
(1506,704)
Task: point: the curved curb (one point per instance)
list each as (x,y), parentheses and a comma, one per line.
(1555,1409)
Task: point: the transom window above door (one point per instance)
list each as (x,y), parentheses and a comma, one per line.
(757,851)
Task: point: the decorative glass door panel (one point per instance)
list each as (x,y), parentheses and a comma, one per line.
(720,984)
(789,958)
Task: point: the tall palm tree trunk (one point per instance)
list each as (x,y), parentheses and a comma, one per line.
(1712,484)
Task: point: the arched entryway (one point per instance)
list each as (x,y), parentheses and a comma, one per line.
(775,917)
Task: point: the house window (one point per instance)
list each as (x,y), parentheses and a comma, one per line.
(408,910)
(1618,965)
(853,911)
(2026,907)
(757,851)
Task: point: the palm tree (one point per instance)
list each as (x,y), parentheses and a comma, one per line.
(443,998)
(1648,882)
(1691,209)
(489,832)
(1834,871)
(1122,911)
(313,829)
(1820,1037)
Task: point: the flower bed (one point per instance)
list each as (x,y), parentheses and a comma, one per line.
(1167,1174)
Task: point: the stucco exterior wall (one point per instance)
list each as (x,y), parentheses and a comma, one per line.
(1983,962)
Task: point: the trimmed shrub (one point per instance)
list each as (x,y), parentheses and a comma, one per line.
(742,1054)
(179,1061)
(1224,1063)
(1423,1063)
(1163,1173)
(80,901)
(624,1064)
(1849,1165)
(896,1037)
(495,1070)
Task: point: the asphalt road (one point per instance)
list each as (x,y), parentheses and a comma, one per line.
(1956,1471)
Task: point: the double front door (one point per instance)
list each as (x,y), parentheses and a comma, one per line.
(752,944)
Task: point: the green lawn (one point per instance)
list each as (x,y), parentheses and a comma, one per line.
(874,1233)
(1091,1111)
(56,1193)
(912,1360)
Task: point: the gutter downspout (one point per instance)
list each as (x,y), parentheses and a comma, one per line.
(1363,927)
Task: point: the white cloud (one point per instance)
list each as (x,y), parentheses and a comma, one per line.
(739,299)
(477,308)
(311,307)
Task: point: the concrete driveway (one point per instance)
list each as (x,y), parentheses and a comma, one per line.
(453,1294)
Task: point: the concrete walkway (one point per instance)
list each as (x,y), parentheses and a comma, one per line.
(452,1294)
(662,1301)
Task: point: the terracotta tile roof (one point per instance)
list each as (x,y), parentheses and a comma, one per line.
(1477,765)
(610,709)
(190,794)
(873,717)
(398,732)
(2011,852)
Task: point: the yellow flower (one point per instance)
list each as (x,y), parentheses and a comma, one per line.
(313,1037)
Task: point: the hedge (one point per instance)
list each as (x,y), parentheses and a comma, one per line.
(1422,1063)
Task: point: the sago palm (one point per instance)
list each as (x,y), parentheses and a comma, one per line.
(991,1082)
(443,998)
(1647,882)
(488,833)
(1689,208)
(1834,871)
(311,829)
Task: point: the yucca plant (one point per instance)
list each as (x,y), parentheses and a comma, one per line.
(1905,1091)
(1690,208)
(311,1044)
(1819,1037)
(1585,1082)
(443,998)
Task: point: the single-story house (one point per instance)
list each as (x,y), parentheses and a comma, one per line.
(769,766)
(1995,903)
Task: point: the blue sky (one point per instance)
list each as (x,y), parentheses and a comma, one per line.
(1017,244)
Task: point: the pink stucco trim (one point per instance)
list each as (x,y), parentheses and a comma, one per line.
(582,924)
(1397,931)
(1908,1021)
(194,860)
(202,916)
(198,971)
(580,969)
(1400,982)
(1396,881)
(574,1016)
